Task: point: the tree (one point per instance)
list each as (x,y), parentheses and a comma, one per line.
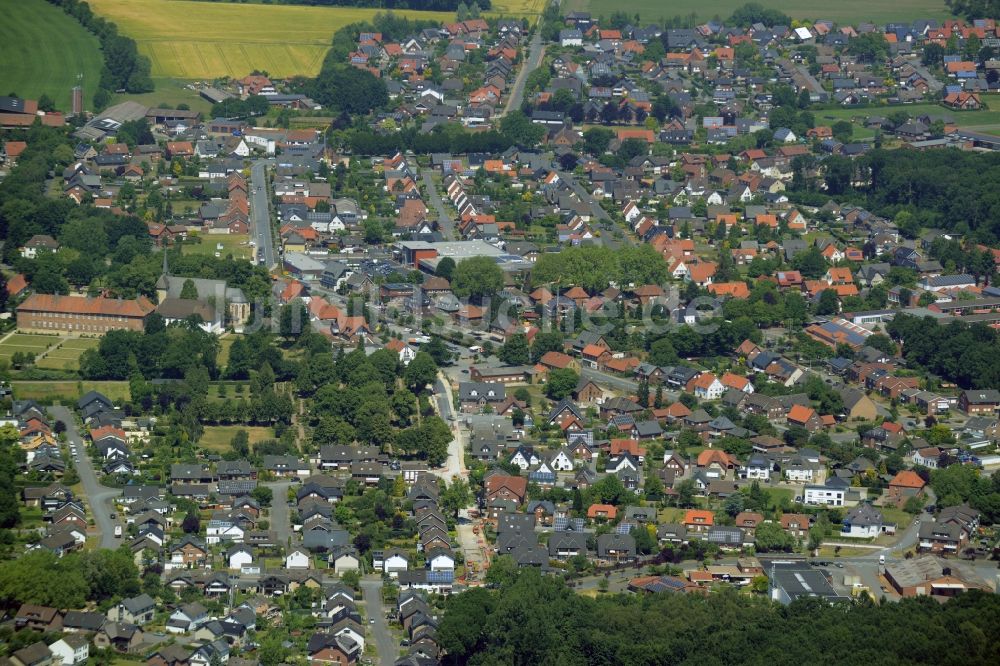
(519,129)
(828,303)
(445,268)
(421,371)
(191,523)
(596,140)
(545,342)
(770,537)
(631,148)
(662,352)
(869,47)
(842,131)
(685,493)
(752,12)
(367,92)
(240,444)
(456,497)
(561,382)
(932,55)
(263,495)
(438,351)
(189,291)
(293,319)
(477,278)
(515,350)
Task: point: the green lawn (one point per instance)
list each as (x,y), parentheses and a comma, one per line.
(170,92)
(67,355)
(987,120)
(225,344)
(217,438)
(848,11)
(43,50)
(67,391)
(26,343)
(234,244)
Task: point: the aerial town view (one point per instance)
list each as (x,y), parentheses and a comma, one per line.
(499,332)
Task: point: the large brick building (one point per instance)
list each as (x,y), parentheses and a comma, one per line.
(48,313)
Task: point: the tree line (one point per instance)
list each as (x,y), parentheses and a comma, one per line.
(947,189)
(124,69)
(40,577)
(968,355)
(421,5)
(534,619)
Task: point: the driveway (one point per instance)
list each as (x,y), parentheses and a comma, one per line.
(98,495)
(385,642)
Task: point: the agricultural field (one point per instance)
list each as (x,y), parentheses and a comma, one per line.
(848,11)
(43,50)
(67,391)
(217,438)
(234,244)
(528,8)
(204,40)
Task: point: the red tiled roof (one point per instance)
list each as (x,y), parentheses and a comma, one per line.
(78,305)
(17,284)
(800,413)
(699,517)
(602,511)
(907,479)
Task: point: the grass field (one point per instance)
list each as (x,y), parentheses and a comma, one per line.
(203,40)
(217,438)
(848,11)
(26,343)
(987,120)
(171,92)
(68,391)
(67,355)
(43,50)
(234,244)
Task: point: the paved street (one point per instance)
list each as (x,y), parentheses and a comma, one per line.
(596,211)
(614,382)
(280,511)
(260,212)
(446,224)
(98,495)
(385,642)
(535,52)
(454,466)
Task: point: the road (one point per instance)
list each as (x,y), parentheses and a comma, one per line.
(455,464)
(596,211)
(280,514)
(616,383)
(385,642)
(260,212)
(803,71)
(445,223)
(933,84)
(535,52)
(97,494)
